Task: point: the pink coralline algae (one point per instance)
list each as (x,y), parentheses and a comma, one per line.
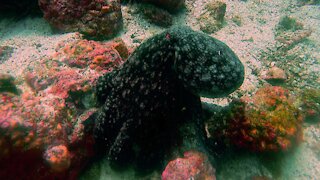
(42,128)
(194,165)
(95,18)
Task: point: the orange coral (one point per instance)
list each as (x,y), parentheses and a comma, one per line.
(267,121)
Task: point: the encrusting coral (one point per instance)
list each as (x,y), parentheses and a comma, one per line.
(157,88)
(266,122)
(41,135)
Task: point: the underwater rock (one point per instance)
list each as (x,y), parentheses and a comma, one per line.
(275,76)
(194,165)
(37,125)
(288,23)
(290,32)
(94,18)
(158,88)
(7,84)
(212,19)
(156,16)
(266,122)
(310,104)
(98,56)
(170,5)
(5,53)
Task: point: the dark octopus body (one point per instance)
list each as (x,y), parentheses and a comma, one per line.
(157,89)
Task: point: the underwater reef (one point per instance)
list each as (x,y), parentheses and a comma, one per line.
(94,18)
(269,121)
(159,87)
(41,132)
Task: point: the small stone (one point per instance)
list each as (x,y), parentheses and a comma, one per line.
(275,76)
(170,5)
(93,18)
(267,121)
(156,16)
(7,84)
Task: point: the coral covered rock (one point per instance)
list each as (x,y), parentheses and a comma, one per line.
(266,122)
(157,88)
(43,128)
(95,18)
(194,165)
(98,56)
(7,84)
(310,104)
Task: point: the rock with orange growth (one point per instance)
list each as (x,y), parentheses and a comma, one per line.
(34,123)
(58,157)
(98,56)
(194,165)
(94,18)
(266,122)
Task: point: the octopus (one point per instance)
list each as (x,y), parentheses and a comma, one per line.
(157,89)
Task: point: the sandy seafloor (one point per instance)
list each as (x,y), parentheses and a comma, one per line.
(33,39)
